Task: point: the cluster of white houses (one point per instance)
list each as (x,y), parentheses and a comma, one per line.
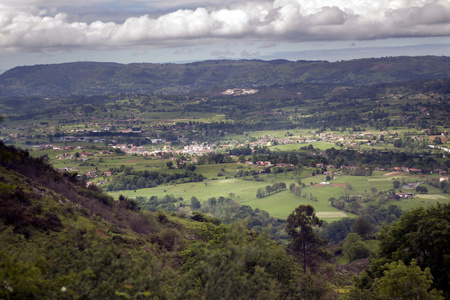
(189,150)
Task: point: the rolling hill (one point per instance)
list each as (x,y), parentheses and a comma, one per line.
(94,78)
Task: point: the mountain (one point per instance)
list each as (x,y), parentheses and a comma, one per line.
(93,78)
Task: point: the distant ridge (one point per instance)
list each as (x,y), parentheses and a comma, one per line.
(97,78)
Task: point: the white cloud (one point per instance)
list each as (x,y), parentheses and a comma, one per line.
(32,25)
(328,16)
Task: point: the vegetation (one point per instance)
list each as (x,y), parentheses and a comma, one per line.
(414,251)
(355,248)
(67,246)
(146,182)
(305,242)
(96,249)
(105,78)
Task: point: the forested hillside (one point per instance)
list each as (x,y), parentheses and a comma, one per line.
(91,78)
(62,240)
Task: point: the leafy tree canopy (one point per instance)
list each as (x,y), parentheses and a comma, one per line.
(420,236)
(406,282)
(355,248)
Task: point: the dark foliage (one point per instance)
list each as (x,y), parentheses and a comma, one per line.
(90,78)
(305,243)
(39,173)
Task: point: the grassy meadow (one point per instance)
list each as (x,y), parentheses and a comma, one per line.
(281,204)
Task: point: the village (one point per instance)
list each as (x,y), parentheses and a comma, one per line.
(190,153)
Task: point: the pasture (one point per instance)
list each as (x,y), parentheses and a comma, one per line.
(291,147)
(221,182)
(282,203)
(279,204)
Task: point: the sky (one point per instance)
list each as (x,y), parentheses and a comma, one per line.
(159,31)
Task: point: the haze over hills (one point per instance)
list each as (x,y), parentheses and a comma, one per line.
(94,78)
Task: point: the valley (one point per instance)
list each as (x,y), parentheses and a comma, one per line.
(112,140)
(359,143)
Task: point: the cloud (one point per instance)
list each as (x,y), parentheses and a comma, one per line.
(268,45)
(184,51)
(245,54)
(223,54)
(31,25)
(430,14)
(328,16)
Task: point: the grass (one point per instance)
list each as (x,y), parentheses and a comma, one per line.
(221,183)
(420,200)
(291,147)
(271,133)
(279,204)
(99,161)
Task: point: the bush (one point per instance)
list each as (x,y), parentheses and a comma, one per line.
(355,248)
(169,238)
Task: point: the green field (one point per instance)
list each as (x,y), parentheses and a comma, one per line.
(221,182)
(290,147)
(281,204)
(101,162)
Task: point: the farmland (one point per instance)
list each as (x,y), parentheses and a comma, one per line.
(347,149)
(281,204)
(223,180)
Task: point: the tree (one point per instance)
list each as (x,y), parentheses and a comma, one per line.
(336,231)
(422,190)
(195,204)
(437,140)
(260,193)
(291,186)
(304,241)
(297,191)
(355,248)
(422,235)
(362,227)
(406,282)
(396,184)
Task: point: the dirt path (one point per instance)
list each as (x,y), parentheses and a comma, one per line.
(331,184)
(394,174)
(331,214)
